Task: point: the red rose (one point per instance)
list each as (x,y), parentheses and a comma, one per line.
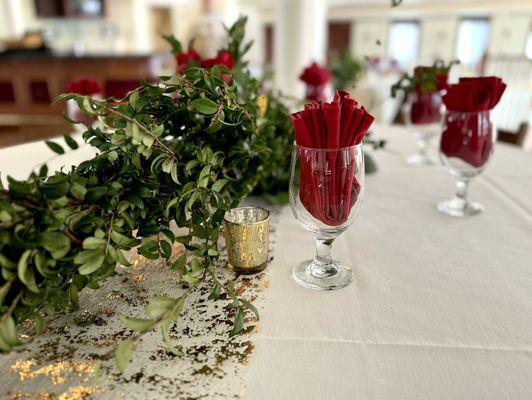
(85,86)
(223,58)
(185,59)
(315,75)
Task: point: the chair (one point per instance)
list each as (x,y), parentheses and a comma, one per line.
(513,137)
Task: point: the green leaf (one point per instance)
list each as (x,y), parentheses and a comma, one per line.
(238,324)
(90,260)
(123,354)
(138,324)
(166,249)
(78,191)
(3,291)
(219,184)
(56,243)
(204,106)
(176,45)
(150,250)
(133,97)
(25,273)
(123,240)
(165,331)
(8,330)
(216,291)
(70,142)
(179,263)
(54,147)
(92,243)
(160,305)
(251,307)
(95,193)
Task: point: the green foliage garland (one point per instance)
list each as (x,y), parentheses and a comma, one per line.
(185,149)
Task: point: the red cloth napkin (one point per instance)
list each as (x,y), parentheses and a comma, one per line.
(474,94)
(425,108)
(315,75)
(86,86)
(469,136)
(328,186)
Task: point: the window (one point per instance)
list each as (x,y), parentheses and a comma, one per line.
(472,40)
(403,41)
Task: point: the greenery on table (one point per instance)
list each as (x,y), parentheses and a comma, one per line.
(185,149)
(426,79)
(346,70)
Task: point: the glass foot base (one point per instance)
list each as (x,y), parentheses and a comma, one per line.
(335,276)
(459,208)
(419,160)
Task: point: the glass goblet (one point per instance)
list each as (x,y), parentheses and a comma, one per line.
(423,112)
(326,190)
(465,147)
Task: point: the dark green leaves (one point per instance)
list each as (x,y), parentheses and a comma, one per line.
(70,142)
(204,106)
(56,243)
(54,147)
(55,186)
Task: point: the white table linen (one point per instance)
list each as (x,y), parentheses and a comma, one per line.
(440,308)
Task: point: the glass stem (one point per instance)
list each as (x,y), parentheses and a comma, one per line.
(422,147)
(461,190)
(323,266)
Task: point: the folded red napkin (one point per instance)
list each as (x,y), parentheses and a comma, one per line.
(469,136)
(474,94)
(425,108)
(328,187)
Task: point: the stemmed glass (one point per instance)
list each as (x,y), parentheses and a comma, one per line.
(326,190)
(423,112)
(465,147)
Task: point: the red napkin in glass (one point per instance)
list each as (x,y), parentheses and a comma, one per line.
(468,136)
(316,78)
(315,75)
(474,94)
(328,187)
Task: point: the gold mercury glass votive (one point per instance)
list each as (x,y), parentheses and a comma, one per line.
(246,232)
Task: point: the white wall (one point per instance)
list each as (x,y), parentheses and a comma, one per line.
(365,34)
(438,38)
(509,34)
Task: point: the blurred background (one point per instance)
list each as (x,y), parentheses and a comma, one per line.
(367,44)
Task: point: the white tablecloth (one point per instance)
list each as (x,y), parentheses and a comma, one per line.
(440,308)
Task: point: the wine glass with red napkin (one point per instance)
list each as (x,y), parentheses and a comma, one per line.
(468,137)
(327,182)
(423,112)
(317,81)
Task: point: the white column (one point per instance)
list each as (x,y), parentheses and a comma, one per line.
(300,38)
